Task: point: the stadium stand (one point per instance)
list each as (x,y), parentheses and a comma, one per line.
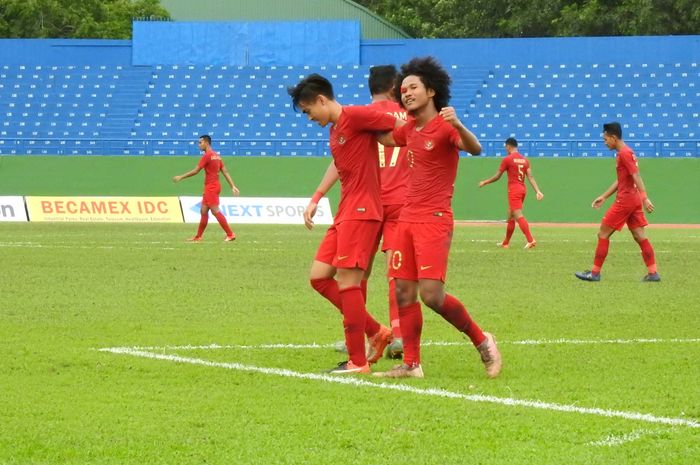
(555,109)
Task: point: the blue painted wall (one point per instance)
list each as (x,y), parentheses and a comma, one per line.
(64,52)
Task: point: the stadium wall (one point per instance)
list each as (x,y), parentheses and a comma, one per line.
(481,52)
(569,185)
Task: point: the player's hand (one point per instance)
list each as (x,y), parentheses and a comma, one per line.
(309,214)
(598,202)
(450,115)
(235,190)
(177,178)
(539,195)
(648,206)
(482,183)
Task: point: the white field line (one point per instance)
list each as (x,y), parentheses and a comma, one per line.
(525,342)
(612,440)
(434,392)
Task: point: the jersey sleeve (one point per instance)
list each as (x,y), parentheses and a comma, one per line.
(203,161)
(399,134)
(504,165)
(627,160)
(370,119)
(455,137)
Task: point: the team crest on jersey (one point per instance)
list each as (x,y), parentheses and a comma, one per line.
(341,139)
(429,145)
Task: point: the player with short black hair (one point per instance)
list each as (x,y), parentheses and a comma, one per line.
(212,163)
(628,208)
(345,252)
(517,167)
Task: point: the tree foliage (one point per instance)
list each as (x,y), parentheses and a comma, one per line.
(80,19)
(539,18)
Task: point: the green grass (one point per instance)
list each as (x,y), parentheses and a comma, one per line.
(69,289)
(569,184)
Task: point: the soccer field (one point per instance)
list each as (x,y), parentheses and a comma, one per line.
(123,344)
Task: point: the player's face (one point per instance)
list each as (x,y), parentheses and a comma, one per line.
(317,110)
(202,145)
(610,141)
(414,94)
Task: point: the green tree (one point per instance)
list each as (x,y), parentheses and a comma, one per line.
(98,19)
(539,18)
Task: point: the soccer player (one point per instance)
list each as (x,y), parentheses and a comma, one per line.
(517,168)
(344,254)
(212,163)
(627,208)
(394,174)
(434,137)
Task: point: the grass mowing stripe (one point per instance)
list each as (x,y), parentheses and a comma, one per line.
(645,417)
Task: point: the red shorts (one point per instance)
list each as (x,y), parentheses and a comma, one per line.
(210,197)
(350,244)
(421,251)
(390,222)
(516,199)
(620,213)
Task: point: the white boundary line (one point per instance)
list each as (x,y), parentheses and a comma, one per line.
(526,342)
(645,417)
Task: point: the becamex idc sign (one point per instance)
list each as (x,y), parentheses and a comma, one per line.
(105,209)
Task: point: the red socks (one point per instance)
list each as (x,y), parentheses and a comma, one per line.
(648,255)
(510,228)
(328,288)
(525,228)
(411,327)
(203,220)
(224,224)
(601,251)
(354,316)
(454,312)
(394,310)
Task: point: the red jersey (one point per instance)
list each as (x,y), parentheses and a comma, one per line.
(516,166)
(433,154)
(212,163)
(393,162)
(354,149)
(626,167)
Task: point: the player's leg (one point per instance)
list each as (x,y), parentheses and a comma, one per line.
(510,228)
(639,234)
(601,252)
(432,293)
(389,228)
(203,220)
(517,208)
(230,236)
(402,269)
(322,273)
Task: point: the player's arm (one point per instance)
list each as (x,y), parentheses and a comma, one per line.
(533,183)
(648,206)
(189,174)
(600,200)
(227,176)
(329,179)
(493,178)
(387,138)
(467,140)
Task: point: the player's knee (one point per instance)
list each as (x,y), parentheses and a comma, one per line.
(404,296)
(432,298)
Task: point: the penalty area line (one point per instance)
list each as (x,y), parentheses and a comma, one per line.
(433,392)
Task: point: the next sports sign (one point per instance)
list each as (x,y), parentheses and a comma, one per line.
(259,210)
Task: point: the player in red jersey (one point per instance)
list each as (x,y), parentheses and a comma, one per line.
(434,138)
(212,163)
(517,168)
(628,208)
(345,252)
(395,172)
